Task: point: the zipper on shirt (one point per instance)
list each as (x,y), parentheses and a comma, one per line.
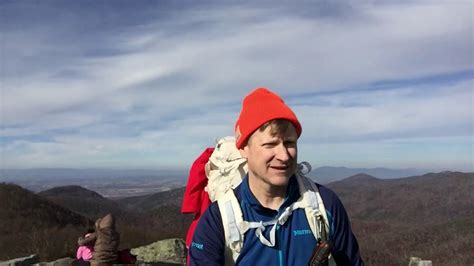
(280,251)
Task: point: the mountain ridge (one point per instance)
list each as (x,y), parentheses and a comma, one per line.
(83,201)
(397,213)
(29,221)
(328,174)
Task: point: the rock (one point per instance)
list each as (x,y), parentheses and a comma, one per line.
(414,261)
(171,251)
(32,259)
(59,262)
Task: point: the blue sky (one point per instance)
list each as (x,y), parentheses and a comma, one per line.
(150,84)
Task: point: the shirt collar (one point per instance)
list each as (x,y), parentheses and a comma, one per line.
(292,194)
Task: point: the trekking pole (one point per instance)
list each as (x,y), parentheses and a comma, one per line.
(321,253)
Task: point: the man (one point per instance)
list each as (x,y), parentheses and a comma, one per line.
(267,132)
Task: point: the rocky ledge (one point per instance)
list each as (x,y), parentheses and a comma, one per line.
(161,253)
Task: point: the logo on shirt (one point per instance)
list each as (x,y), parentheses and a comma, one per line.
(197,245)
(302,232)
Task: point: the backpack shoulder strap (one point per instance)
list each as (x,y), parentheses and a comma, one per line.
(225,170)
(314,209)
(314,206)
(232,221)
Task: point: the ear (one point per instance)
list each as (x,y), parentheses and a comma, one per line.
(244,151)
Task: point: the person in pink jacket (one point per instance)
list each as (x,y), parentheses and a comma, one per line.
(86,246)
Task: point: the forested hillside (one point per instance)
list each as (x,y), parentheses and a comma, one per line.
(429,216)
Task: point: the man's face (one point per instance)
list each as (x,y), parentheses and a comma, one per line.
(272,158)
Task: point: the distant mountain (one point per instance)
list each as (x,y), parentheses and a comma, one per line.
(362,179)
(33,211)
(31,222)
(327,174)
(141,219)
(153,201)
(85,202)
(126,183)
(446,195)
(49,223)
(324,174)
(71,173)
(428,215)
(162,210)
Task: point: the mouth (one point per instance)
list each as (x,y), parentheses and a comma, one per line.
(280,167)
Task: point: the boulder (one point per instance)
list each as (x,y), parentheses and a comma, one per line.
(170,251)
(414,261)
(32,259)
(58,262)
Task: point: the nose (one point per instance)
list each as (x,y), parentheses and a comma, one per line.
(281,153)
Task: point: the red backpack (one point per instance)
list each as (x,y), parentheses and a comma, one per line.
(196,200)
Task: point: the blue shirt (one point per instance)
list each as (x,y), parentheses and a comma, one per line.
(295,242)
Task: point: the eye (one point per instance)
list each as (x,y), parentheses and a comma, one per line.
(270,144)
(289,143)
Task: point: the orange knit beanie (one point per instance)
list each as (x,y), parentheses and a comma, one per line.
(259,107)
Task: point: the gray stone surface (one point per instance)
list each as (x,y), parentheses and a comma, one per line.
(167,252)
(59,262)
(414,261)
(32,259)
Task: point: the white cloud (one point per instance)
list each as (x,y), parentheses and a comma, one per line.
(415,111)
(437,154)
(136,94)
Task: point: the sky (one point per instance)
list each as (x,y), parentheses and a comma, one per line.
(151,84)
